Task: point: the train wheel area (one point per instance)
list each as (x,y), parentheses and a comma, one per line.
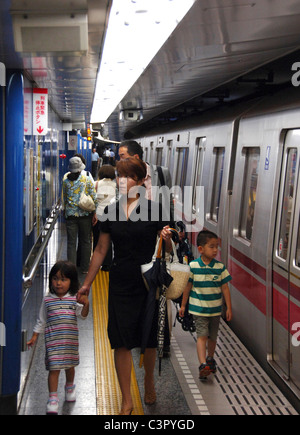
(239,387)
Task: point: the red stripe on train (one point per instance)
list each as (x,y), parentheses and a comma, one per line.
(255,291)
(249,286)
(281,310)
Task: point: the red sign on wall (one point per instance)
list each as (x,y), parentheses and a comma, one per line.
(40,111)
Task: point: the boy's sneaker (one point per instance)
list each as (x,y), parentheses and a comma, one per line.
(70,393)
(52,406)
(212,364)
(204,371)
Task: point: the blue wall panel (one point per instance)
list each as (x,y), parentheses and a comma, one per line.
(13,255)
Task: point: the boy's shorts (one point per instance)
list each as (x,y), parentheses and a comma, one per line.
(207,326)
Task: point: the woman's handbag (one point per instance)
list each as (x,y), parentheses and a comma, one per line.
(179,272)
(86,202)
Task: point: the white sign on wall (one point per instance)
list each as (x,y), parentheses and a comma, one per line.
(72,146)
(40,111)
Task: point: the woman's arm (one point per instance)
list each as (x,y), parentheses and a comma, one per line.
(167,235)
(96,261)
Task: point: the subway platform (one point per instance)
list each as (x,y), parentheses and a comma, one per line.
(239,387)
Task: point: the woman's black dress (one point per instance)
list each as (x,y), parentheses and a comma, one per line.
(134,242)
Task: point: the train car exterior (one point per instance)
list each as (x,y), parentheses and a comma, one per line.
(247,161)
(264,235)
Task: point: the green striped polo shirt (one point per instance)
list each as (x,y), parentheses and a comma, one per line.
(206,295)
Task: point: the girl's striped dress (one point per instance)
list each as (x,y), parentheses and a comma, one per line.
(58,319)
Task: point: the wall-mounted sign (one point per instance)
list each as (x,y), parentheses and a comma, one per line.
(28,111)
(40,111)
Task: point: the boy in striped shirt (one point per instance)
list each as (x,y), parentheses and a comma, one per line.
(208,282)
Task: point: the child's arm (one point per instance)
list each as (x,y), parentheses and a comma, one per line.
(39,327)
(185,298)
(226,293)
(96,261)
(33,339)
(84,300)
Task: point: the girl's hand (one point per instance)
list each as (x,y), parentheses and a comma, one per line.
(33,339)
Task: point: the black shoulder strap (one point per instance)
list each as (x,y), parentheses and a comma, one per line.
(160,176)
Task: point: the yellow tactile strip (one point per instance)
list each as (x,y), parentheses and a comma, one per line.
(107,386)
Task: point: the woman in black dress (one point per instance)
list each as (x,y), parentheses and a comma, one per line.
(132,224)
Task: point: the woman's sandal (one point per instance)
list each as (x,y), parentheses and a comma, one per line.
(126,411)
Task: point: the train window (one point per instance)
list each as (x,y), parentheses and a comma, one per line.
(287,203)
(248,198)
(151,158)
(200,143)
(169,149)
(219,154)
(159,153)
(145,155)
(181,168)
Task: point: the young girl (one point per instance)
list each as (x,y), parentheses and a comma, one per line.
(57,318)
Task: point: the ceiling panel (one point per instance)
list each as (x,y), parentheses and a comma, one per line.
(69,76)
(216,42)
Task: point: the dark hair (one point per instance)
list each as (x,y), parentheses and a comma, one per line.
(180,226)
(68,270)
(133,148)
(204,236)
(133,168)
(107,171)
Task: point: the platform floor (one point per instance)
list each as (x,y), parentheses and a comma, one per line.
(240,386)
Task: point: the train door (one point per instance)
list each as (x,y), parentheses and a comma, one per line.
(286,265)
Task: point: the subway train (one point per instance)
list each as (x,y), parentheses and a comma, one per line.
(246,158)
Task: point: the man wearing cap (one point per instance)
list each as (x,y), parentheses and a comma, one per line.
(78,221)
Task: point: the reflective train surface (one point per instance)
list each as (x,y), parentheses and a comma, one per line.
(218,103)
(247,161)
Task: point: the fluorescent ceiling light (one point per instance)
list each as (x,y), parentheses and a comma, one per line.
(136,31)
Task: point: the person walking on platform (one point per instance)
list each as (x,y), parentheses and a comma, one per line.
(78,221)
(58,320)
(156,177)
(95,162)
(208,281)
(129,225)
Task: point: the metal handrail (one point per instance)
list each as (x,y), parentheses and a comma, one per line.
(41,245)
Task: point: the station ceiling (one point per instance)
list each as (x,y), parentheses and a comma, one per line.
(221,51)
